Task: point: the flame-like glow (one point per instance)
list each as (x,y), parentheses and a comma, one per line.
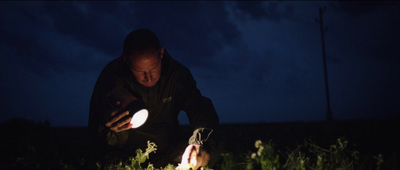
(139,118)
(193,158)
(183,166)
(189,160)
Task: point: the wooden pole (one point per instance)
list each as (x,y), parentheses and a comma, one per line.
(329,113)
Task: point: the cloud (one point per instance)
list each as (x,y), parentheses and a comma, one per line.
(192,31)
(358,8)
(52,43)
(368,30)
(29,35)
(266,10)
(265,56)
(59,31)
(94,24)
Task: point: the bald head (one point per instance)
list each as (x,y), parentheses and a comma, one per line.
(139,42)
(143,54)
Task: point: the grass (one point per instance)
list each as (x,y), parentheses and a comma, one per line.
(65,148)
(305,156)
(266,157)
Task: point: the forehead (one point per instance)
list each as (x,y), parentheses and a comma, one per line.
(145,61)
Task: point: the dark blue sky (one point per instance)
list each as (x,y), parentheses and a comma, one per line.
(257,61)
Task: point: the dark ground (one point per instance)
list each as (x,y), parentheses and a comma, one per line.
(26,144)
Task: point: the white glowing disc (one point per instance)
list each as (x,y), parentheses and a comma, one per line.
(139,118)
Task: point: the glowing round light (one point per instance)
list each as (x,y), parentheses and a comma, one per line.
(139,118)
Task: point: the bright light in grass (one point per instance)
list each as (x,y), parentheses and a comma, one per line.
(193,158)
(189,159)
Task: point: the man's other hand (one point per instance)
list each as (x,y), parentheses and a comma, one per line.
(196,156)
(120,121)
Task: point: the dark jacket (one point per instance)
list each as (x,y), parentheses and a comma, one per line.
(175,91)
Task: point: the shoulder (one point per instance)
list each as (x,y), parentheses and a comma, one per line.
(114,70)
(178,75)
(174,68)
(114,65)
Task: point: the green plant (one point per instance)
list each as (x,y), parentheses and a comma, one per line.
(308,155)
(229,161)
(134,163)
(266,156)
(312,156)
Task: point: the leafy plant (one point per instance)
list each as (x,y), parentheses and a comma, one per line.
(308,156)
(266,156)
(134,163)
(233,162)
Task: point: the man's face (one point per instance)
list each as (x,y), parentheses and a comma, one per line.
(146,68)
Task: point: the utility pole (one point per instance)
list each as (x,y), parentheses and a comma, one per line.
(329,113)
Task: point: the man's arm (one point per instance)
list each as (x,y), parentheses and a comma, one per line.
(203,118)
(99,114)
(108,99)
(199,109)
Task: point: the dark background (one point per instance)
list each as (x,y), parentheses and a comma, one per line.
(259,62)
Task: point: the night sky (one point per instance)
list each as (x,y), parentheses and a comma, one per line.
(257,61)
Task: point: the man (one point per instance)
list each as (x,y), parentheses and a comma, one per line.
(147,73)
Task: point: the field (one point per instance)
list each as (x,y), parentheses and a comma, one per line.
(27,145)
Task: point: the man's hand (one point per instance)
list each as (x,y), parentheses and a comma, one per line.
(119,120)
(195,156)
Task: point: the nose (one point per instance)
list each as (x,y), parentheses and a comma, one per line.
(148,77)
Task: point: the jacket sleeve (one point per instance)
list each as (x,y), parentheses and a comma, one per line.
(199,109)
(104,96)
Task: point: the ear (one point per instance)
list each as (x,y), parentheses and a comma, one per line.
(162,52)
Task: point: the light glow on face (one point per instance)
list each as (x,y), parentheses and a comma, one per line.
(146,69)
(139,118)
